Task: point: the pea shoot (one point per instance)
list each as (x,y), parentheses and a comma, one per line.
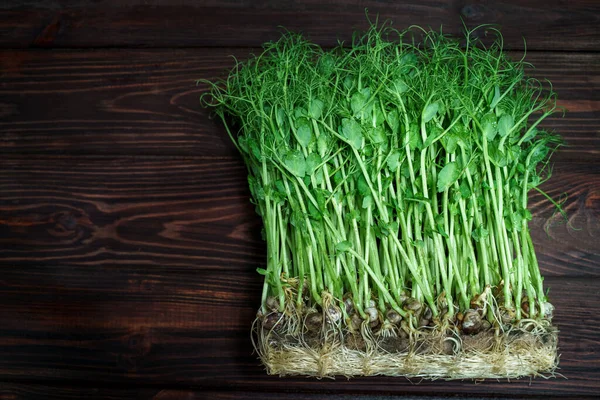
(392,176)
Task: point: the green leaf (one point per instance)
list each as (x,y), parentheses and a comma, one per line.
(400,86)
(378,117)
(252,185)
(342,247)
(322,145)
(254,149)
(392,160)
(358,101)
(430,112)
(434,133)
(354,214)
(313,212)
(530,135)
(304,135)
(367,201)
(508,223)
(377,231)
(306,178)
(505,124)
(447,176)
(454,209)
(321,195)
(413,138)
(352,131)
(496,98)
(409,59)
(243,143)
(273,193)
(262,271)
(465,191)
(393,120)
(299,112)
(513,153)
(450,142)
(405,170)
(386,181)
(516,218)
(377,135)
(312,161)
(363,187)
(489,124)
(489,132)
(319,177)
(280,187)
(348,82)
(338,178)
(537,155)
(280,117)
(479,233)
(442,108)
(480,201)
(386,229)
(439,219)
(441,231)
(498,157)
(326,64)
(316,108)
(294,161)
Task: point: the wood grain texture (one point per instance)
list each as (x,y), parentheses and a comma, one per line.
(547,25)
(184,212)
(147,101)
(177,329)
(128,246)
(15,391)
(30,392)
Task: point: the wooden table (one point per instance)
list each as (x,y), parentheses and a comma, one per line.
(128,247)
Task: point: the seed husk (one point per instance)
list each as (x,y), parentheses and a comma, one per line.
(272,320)
(313,321)
(393,317)
(356,322)
(333,314)
(372,313)
(471,323)
(548,311)
(428,314)
(413,305)
(272,303)
(349,304)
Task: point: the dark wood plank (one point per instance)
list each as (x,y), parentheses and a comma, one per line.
(30,392)
(547,25)
(110,102)
(146,102)
(162,327)
(181,212)
(27,392)
(142,211)
(563,246)
(15,391)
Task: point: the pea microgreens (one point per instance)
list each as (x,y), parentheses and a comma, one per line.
(392,171)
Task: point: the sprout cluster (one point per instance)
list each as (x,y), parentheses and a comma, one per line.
(392,175)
